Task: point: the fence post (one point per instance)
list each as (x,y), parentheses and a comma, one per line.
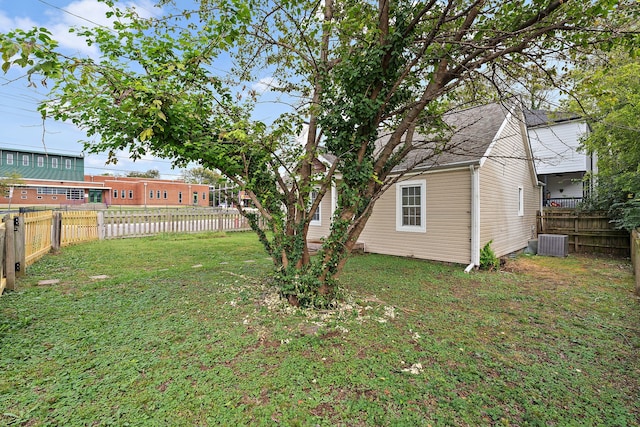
(56,232)
(10,254)
(20,243)
(101,225)
(2,260)
(635,257)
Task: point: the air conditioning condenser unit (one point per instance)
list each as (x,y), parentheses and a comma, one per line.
(553,245)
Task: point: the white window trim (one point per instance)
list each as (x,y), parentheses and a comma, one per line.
(520,200)
(316,222)
(422,228)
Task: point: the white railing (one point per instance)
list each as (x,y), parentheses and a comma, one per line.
(116,224)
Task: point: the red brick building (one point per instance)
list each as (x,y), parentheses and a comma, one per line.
(57,180)
(128,191)
(30,192)
(106,191)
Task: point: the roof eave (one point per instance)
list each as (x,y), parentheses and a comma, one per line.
(435,168)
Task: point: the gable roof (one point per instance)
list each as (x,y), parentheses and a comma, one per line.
(468,139)
(470,134)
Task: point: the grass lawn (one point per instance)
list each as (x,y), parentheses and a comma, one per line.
(185,332)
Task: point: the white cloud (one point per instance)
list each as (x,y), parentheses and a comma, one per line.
(89,13)
(79,13)
(265,84)
(8,23)
(95,164)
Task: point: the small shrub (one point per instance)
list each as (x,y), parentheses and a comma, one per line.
(488,259)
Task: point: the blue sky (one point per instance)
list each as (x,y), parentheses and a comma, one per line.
(21,124)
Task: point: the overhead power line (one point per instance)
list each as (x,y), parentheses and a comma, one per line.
(73,14)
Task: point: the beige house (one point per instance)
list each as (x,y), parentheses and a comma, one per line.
(446,207)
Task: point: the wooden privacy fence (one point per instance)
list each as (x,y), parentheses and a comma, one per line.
(589,232)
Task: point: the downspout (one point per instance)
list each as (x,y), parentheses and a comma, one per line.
(475,218)
(541,186)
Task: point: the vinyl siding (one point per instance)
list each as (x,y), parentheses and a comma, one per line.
(555,147)
(448,195)
(316,232)
(447,223)
(504,171)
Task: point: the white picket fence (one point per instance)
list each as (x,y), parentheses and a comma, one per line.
(118,224)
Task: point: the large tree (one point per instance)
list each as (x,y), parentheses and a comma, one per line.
(151,173)
(351,69)
(200,175)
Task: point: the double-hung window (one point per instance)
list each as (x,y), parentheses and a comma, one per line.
(315,219)
(411,206)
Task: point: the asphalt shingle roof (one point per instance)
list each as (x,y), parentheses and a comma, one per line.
(536,118)
(466,140)
(469,135)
